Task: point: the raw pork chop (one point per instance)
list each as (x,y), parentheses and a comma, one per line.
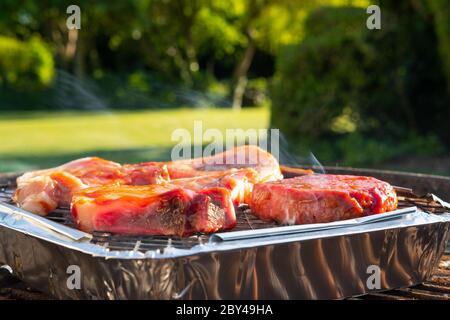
(43,191)
(154,209)
(321,198)
(239,181)
(248,156)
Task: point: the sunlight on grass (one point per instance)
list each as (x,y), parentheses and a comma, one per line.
(47,134)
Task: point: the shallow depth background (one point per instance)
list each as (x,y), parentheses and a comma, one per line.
(139,69)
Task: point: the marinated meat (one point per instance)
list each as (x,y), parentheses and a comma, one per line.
(248,156)
(153,209)
(43,191)
(321,198)
(239,181)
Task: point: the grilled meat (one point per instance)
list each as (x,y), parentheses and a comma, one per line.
(43,191)
(249,156)
(153,209)
(321,198)
(239,181)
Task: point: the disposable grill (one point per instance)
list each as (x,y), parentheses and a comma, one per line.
(435,287)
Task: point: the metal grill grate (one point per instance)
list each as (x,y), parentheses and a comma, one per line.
(245,221)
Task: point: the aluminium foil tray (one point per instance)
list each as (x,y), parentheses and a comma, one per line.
(322,261)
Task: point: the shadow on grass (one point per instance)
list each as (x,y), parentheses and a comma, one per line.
(28,162)
(67,113)
(56,114)
(427,165)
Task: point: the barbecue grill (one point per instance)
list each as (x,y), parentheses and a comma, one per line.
(170,270)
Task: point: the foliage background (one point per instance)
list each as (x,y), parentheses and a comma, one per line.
(349,95)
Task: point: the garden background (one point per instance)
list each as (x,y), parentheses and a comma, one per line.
(139,69)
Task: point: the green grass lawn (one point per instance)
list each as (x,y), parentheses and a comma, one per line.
(37,139)
(30,140)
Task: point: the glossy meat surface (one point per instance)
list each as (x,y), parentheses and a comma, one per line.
(321,198)
(239,181)
(248,156)
(181,207)
(43,191)
(154,209)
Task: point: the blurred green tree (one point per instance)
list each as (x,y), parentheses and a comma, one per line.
(361,95)
(25,65)
(167,36)
(440,11)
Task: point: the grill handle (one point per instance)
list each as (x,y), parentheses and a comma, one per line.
(299,229)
